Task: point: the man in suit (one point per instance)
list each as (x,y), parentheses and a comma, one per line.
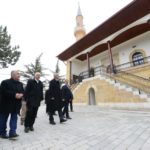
(11,95)
(67,97)
(54,98)
(33,97)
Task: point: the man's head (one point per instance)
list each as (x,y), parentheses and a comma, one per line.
(37,75)
(56,76)
(66,81)
(15,75)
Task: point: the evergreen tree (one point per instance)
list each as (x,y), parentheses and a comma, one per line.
(31,69)
(8,55)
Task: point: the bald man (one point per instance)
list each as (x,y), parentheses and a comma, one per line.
(11,95)
(33,97)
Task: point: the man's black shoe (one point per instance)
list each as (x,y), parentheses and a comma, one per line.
(52,122)
(5,136)
(68,117)
(13,136)
(31,128)
(26,130)
(63,120)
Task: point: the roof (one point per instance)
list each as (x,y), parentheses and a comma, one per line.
(129,14)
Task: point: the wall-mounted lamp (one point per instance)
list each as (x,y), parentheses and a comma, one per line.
(133,46)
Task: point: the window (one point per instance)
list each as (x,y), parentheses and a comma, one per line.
(137,58)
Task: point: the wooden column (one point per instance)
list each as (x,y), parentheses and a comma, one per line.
(88,63)
(110,57)
(70,72)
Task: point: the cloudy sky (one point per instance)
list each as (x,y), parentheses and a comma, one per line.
(47,26)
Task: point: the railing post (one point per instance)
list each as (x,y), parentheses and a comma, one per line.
(139,91)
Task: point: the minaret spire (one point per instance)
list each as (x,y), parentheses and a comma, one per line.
(79,29)
(79,13)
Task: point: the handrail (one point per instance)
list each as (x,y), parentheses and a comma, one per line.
(136,76)
(140,83)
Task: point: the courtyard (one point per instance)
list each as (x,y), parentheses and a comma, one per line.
(91,128)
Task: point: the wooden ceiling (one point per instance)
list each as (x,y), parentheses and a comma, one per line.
(123,37)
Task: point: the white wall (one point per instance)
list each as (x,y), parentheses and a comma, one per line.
(76,67)
(141,42)
(80,66)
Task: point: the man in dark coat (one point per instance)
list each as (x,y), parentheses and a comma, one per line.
(0,94)
(67,96)
(54,99)
(11,95)
(33,97)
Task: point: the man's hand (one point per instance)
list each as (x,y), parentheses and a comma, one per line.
(52,98)
(19,95)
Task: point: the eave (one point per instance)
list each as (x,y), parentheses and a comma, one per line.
(129,14)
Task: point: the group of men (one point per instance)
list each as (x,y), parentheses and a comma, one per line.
(12,93)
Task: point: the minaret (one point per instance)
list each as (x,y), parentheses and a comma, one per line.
(79,31)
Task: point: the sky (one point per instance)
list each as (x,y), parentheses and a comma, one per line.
(47,26)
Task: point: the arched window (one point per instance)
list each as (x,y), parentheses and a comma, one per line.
(137,58)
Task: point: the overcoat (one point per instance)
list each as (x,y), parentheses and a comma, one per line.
(66,93)
(34,93)
(53,96)
(8,103)
(0,94)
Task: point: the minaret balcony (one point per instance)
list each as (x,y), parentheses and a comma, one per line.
(79,29)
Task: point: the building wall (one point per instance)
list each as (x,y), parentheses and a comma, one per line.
(141,42)
(80,66)
(121,54)
(104,93)
(77,66)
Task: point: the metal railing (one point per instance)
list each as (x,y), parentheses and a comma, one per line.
(133,63)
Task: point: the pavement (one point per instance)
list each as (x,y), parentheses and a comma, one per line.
(91,128)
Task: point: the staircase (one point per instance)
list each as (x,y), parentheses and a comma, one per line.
(142,71)
(107,91)
(137,82)
(73,86)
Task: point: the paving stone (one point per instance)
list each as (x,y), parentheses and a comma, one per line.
(91,128)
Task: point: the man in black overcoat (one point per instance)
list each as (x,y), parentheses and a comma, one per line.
(54,99)
(67,97)
(0,94)
(11,95)
(33,97)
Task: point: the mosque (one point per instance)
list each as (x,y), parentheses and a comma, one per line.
(110,66)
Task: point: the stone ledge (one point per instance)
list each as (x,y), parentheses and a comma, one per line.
(145,106)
